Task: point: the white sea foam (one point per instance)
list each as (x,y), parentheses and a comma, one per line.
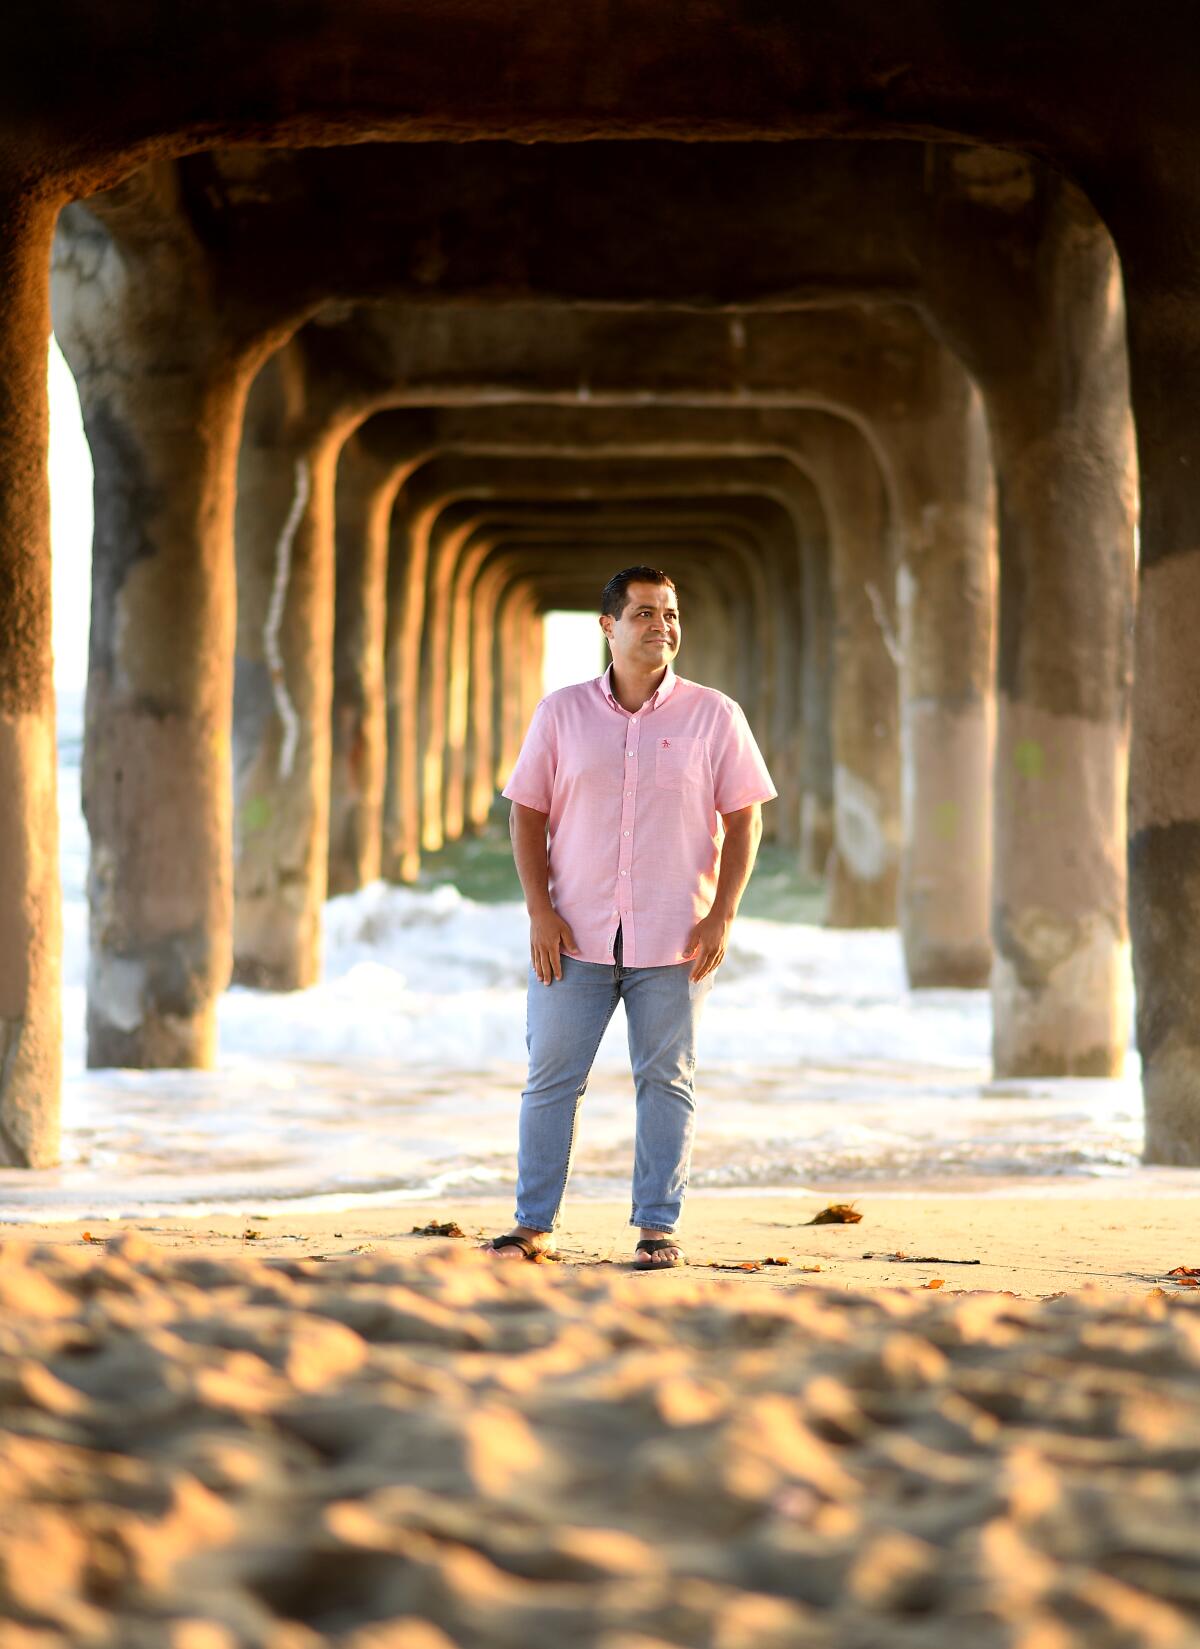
(399,1074)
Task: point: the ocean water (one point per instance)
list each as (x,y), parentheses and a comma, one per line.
(398,1077)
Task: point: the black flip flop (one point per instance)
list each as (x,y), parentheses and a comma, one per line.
(527,1246)
(654,1245)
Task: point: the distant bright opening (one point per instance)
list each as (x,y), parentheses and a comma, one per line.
(70,528)
(575,649)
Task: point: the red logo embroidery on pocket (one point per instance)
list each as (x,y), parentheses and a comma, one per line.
(666,744)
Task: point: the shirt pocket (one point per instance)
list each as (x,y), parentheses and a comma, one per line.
(679,763)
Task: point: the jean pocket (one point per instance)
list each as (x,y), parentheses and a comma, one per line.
(679,763)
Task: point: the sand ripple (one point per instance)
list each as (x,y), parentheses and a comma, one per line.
(433,1449)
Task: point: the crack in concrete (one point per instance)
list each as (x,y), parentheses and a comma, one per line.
(274,622)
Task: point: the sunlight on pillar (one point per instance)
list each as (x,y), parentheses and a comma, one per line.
(575,649)
(70,528)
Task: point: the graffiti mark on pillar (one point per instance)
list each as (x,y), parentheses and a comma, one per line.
(116,989)
(14,1152)
(886,628)
(10,1036)
(858,828)
(946,817)
(257,813)
(274,623)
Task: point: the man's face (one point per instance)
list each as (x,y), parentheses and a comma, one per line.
(647,634)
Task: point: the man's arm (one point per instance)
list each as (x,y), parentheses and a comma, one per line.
(709,937)
(549,935)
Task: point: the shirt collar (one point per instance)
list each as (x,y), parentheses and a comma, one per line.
(659,696)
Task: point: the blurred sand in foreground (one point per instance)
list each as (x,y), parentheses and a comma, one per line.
(211,1439)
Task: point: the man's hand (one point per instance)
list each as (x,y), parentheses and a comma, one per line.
(707,942)
(708,939)
(549,936)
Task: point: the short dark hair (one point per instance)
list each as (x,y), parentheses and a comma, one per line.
(612,597)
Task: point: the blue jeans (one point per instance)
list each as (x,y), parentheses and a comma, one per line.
(565,1024)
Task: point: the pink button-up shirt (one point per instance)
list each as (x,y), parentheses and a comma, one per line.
(634,804)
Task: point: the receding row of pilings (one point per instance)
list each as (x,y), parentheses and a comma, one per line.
(902,530)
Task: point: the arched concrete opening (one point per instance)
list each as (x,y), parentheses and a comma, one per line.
(920,425)
(713,562)
(724,549)
(973,195)
(1050,712)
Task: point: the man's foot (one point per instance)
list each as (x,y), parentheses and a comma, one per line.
(656,1252)
(521,1243)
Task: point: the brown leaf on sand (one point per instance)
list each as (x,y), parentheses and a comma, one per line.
(838,1213)
(250,1236)
(780,1259)
(741,1265)
(935,1282)
(86,1236)
(433,1229)
(1185,1271)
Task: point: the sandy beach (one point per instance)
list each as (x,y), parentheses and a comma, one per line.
(334,1431)
(970,1418)
(1028,1243)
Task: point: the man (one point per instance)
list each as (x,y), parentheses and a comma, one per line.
(635,822)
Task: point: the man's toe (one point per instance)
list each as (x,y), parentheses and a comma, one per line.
(669,1255)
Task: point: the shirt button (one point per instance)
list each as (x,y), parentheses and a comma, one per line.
(624,833)
(629,792)
(624,873)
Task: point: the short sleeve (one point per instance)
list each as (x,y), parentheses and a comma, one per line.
(532,780)
(740,776)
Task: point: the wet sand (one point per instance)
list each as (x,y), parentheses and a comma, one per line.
(334,1432)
